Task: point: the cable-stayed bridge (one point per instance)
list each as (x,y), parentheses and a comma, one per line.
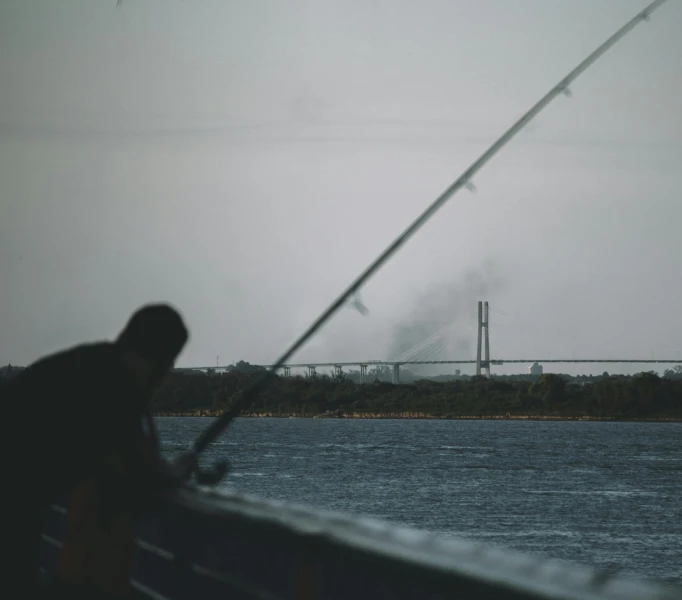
(431,351)
(363,365)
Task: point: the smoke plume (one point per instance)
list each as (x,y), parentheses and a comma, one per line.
(444,316)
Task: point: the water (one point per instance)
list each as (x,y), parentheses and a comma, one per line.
(599,494)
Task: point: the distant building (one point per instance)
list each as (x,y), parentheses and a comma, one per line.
(535,369)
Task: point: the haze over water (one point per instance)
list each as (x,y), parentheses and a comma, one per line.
(597,494)
(246,160)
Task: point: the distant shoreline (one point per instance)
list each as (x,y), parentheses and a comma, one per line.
(413,416)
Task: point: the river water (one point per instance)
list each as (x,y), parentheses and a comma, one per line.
(598,494)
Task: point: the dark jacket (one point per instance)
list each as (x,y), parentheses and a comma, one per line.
(62,419)
(65,412)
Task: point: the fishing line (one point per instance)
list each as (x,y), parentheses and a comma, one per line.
(464,181)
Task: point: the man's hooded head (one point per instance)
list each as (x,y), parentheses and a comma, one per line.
(156,334)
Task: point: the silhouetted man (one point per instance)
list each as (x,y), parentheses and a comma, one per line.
(68,414)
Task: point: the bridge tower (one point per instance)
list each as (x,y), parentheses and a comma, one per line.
(483,338)
(486,346)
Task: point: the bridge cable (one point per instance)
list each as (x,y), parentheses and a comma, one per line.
(410,352)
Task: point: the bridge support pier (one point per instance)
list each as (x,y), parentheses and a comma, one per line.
(287,371)
(312,371)
(338,370)
(363,373)
(396,373)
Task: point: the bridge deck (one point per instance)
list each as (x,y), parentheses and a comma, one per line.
(497,361)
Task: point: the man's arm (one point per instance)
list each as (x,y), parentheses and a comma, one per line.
(148,465)
(182,468)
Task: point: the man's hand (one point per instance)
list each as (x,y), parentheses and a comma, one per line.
(183,466)
(186,465)
(214,476)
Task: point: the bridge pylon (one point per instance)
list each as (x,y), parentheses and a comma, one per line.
(483,339)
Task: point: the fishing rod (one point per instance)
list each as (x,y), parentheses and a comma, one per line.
(464,181)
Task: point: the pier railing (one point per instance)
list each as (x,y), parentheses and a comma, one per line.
(207,545)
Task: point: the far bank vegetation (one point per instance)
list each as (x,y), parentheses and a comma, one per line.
(642,396)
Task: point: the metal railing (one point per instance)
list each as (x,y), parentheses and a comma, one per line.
(206,545)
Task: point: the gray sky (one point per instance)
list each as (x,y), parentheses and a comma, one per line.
(244,160)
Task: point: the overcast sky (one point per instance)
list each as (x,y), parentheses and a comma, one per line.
(244,160)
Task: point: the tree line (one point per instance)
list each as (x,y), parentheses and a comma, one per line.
(645,395)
